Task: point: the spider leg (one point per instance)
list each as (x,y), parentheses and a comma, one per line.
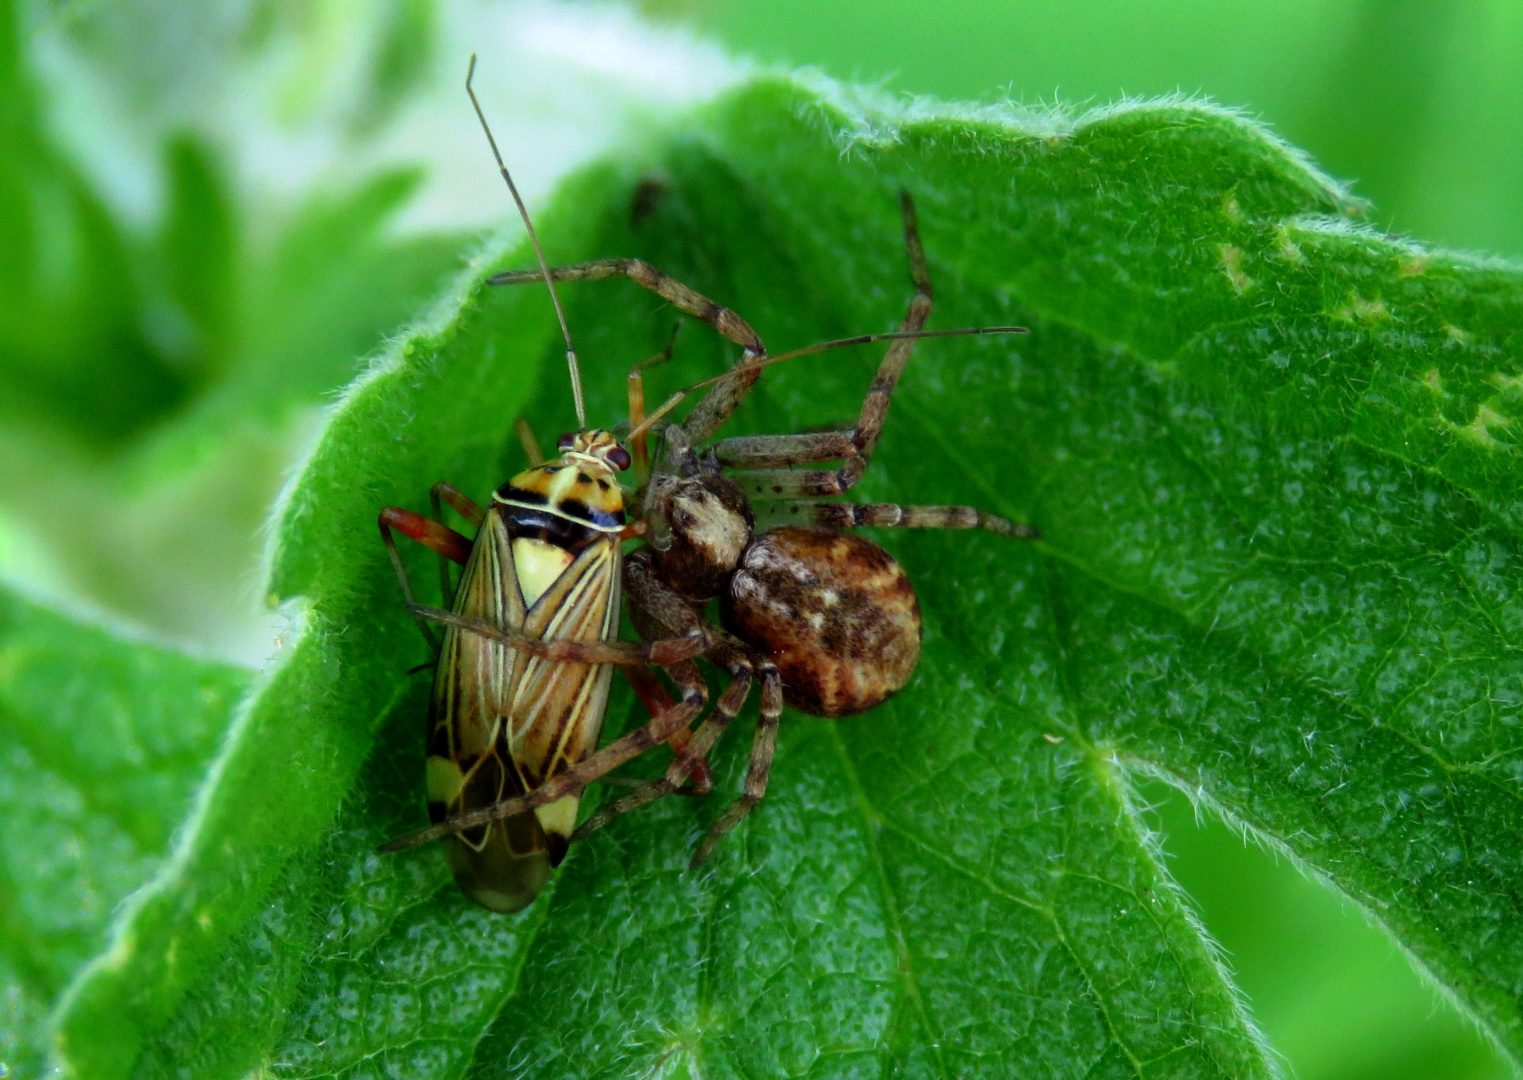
(843,515)
(772,455)
(716,406)
(763,747)
(698,747)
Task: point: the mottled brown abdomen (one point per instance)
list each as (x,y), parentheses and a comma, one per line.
(834,611)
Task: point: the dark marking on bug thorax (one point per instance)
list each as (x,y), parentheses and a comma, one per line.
(508,493)
(575,508)
(517,499)
(568,535)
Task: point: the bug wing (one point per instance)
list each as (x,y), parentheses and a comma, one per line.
(556,708)
(501,866)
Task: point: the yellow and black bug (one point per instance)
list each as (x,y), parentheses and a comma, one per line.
(513,708)
(545,564)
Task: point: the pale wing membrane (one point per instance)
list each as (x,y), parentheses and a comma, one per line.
(502,866)
(504,721)
(557,707)
(476,672)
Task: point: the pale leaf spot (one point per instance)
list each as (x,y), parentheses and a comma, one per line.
(1232,266)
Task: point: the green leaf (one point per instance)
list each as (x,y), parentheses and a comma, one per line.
(1274,463)
(402,60)
(103,739)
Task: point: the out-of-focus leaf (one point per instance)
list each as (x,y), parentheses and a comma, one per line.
(103,740)
(72,345)
(1373,113)
(200,239)
(403,59)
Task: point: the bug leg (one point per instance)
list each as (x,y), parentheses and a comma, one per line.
(660,729)
(458,501)
(854,448)
(717,405)
(657,701)
(449,545)
(526,439)
(467,508)
(843,515)
(698,747)
(640,445)
(763,747)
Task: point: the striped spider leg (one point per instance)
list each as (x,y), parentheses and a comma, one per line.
(769,463)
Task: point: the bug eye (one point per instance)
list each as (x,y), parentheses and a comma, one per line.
(618,457)
(566,441)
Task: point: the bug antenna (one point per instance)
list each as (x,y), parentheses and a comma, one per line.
(576,374)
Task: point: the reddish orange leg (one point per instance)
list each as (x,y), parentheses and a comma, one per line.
(530,444)
(657,701)
(439,495)
(432,535)
(639,447)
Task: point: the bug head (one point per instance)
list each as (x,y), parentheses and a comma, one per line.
(597,445)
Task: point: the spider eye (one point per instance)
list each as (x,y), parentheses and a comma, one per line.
(566,441)
(618,457)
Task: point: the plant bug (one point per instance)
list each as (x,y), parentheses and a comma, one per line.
(511,710)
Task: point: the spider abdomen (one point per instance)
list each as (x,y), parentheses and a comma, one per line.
(834,612)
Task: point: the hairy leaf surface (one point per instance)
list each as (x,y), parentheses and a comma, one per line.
(103,740)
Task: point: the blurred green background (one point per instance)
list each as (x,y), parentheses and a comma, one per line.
(211,213)
(1416,102)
